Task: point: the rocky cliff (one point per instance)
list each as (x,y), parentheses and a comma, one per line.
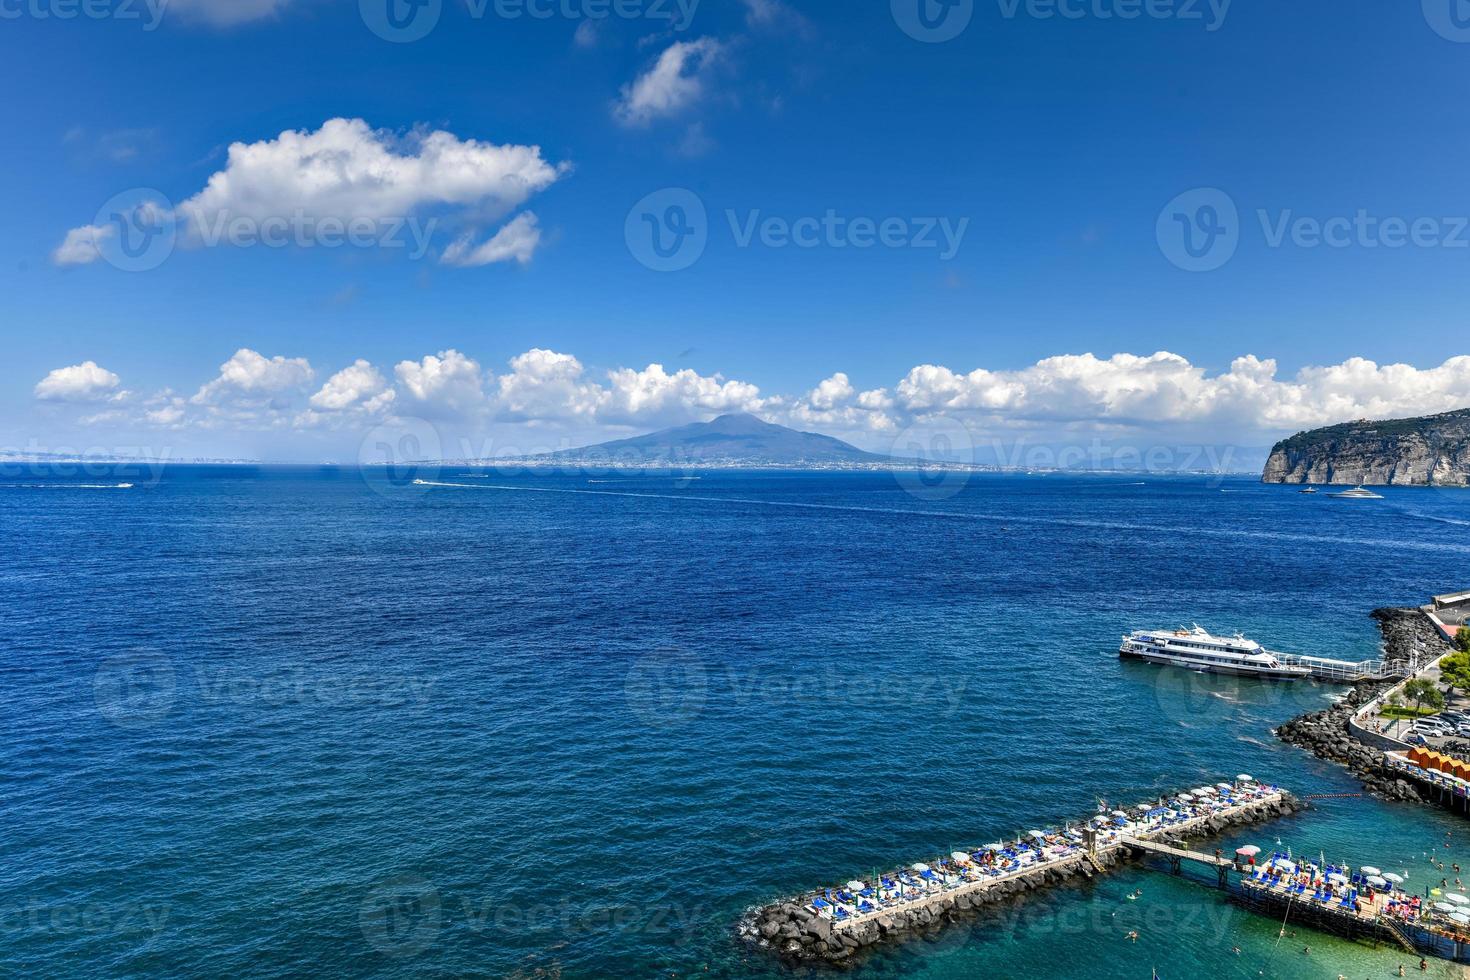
(1429,451)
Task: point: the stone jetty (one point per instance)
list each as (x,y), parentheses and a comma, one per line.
(798,933)
(1326,733)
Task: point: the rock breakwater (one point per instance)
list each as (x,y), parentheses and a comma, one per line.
(1406,633)
(795,932)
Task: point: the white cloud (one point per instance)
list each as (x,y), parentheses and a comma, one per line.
(227,13)
(168,415)
(1160,395)
(832,392)
(675,82)
(447,383)
(517,241)
(547,386)
(81,245)
(299,184)
(84,382)
(359,386)
(681,396)
(346,170)
(254,376)
(773,15)
(1164,389)
(543,384)
(835,403)
(587,33)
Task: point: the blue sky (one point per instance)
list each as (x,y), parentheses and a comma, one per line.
(1047,146)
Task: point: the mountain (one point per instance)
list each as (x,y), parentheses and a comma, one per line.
(1429,451)
(728,440)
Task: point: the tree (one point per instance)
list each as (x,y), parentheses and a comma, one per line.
(1423,694)
(1454,670)
(1462,638)
(1395,701)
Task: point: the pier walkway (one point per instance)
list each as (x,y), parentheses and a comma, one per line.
(1146,836)
(1177,855)
(1341,671)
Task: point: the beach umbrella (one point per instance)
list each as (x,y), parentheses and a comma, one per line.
(1035,833)
(856,886)
(1370,870)
(1244,778)
(1338,879)
(1396,879)
(1120,813)
(1444,907)
(961,857)
(1376,881)
(1460,917)
(995,847)
(1223,786)
(1249,850)
(1457,898)
(920,867)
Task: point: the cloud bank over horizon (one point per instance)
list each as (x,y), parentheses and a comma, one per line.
(551,398)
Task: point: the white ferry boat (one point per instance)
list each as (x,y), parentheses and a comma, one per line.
(1195,649)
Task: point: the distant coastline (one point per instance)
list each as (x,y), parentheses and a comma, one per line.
(593,464)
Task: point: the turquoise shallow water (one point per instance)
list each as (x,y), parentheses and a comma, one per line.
(279,721)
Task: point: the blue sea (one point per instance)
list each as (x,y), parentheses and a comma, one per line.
(282,722)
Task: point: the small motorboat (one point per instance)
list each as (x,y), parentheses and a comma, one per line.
(1308,490)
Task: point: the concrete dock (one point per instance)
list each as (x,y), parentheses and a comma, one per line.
(1418,925)
(833,923)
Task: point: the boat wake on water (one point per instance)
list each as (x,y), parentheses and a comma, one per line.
(1436,518)
(66,486)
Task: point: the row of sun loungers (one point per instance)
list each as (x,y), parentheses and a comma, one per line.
(901,887)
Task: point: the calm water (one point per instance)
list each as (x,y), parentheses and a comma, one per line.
(279,722)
